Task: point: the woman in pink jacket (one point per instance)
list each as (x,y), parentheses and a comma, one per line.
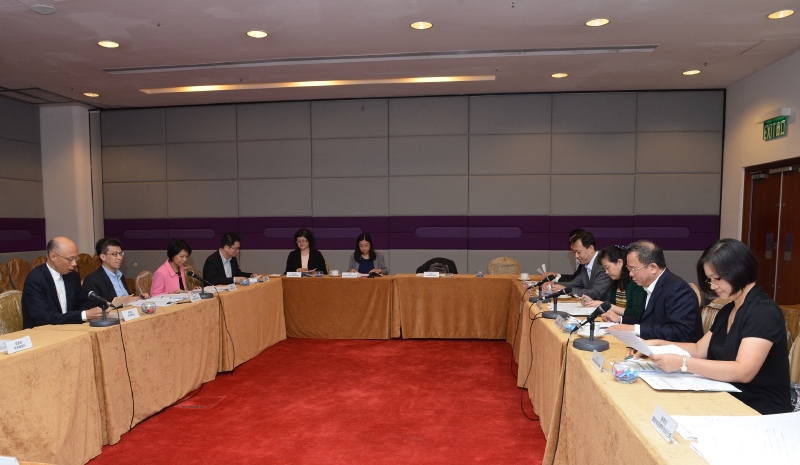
(170,276)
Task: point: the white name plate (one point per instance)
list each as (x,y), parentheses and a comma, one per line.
(430,274)
(8,460)
(18,344)
(560,322)
(231,287)
(194,297)
(347,274)
(130,314)
(294,274)
(598,360)
(664,424)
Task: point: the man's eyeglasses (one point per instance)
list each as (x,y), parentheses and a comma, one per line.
(116,254)
(634,270)
(69,259)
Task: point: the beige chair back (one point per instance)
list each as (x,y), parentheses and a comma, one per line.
(143,282)
(86,265)
(191,283)
(709,312)
(19,268)
(792,315)
(794,361)
(10,312)
(503,265)
(697,293)
(38,261)
(5,278)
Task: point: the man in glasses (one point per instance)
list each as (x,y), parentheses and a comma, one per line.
(108,281)
(53,293)
(590,278)
(222,267)
(671,311)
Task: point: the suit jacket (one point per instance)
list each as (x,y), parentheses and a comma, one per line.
(565,278)
(99,282)
(672,313)
(380,262)
(450,264)
(595,286)
(315,261)
(214,270)
(40,304)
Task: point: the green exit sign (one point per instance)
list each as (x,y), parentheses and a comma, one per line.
(774,128)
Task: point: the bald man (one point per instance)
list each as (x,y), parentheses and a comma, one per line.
(53,293)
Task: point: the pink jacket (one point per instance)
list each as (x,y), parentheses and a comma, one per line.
(165,280)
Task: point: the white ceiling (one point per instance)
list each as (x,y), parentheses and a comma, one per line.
(59,52)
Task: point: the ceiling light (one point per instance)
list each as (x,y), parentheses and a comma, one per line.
(781,14)
(342,82)
(597,22)
(691,72)
(421,25)
(91,94)
(257,34)
(559,75)
(43,9)
(108,44)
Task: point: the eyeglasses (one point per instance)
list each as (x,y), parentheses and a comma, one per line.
(69,259)
(116,254)
(235,249)
(713,281)
(302,241)
(634,270)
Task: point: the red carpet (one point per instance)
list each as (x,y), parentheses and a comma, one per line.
(348,402)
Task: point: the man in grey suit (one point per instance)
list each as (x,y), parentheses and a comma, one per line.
(592,279)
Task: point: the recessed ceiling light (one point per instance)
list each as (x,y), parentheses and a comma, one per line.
(108,44)
(91,94)
(43,9)
(781,14)
(691,72)
(597,22)
(257,34)
(421,25)
(342,82)
(559,75)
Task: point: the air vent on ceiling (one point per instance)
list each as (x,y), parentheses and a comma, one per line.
(35,96)
(774,46)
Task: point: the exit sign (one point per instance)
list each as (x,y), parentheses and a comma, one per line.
(774,128)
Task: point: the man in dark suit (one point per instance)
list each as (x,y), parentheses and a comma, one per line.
(222,267)
(591,279)
(108,281)
(53,293)
(671,310)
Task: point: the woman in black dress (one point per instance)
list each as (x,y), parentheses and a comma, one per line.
(305,257)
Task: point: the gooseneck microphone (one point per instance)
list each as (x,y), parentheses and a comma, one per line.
(604,307)
(590,343)
(554,313)
(102,322)
(203,293)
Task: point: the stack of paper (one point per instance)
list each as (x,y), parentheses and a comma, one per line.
(164,300)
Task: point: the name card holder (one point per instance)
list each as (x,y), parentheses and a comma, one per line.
(598,360)
(8,460)
(664,424)
(560,322)
(194,297)
(347,274)
(231,287)
(294,274)
(19,344)
(430,274)
(132,313)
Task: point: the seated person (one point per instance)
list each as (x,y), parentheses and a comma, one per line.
(53,294)
(222,267)
(365,259)
(108,281)
(592,279)
(305,257)
(171,277)
(565,278)
(626,297)
(440,264)
(746,345)
(671,310)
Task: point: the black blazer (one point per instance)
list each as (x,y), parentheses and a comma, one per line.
(99,282)
(40,300)
(450,264)
(672,314)
(315,261)
(214,270)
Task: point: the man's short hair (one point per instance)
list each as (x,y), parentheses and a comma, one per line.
(103,244)
(585,237)
(574,232)
(648,253)
(51,246)
(229,239)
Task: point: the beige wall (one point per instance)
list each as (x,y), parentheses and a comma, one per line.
(774,87)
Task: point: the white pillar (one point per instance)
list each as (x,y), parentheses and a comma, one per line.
(67,174)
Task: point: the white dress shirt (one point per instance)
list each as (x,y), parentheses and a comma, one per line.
(590,265)
(227,265)
(649,290)
(61,291)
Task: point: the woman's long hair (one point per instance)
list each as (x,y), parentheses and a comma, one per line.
(357,253)
(614,253)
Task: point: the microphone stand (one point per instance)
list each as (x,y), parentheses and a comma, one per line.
(590,343)
(203,294)
(104,322)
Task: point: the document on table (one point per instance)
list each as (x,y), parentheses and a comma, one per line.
(220,288)
(164,300)
(661,381)
(746,439)
(635,342)
(573,308)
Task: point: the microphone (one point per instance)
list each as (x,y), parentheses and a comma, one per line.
(555,295)
(203,294)
(597,312)
(93,295)
(103,322)
(547,279)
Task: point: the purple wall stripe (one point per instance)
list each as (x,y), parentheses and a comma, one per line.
(678,232)
(22,235)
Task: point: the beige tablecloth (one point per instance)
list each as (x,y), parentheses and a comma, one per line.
(338,308)
(462,306)
(48,399)
(253,320)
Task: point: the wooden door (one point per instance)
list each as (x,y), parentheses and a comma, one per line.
(765,198)
(788,253)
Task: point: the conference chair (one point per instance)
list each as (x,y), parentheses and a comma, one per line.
(5,278)
(503,265)
(38,261)
(794,361)
(10,312)
(697,292)
(143,282)
(792,315)
(18,268)
(440,264)
(709,313)
(86,265)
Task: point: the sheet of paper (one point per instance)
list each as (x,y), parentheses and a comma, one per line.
(631,340)
(573,308)
(750,439)
(684,382)
(668,349)
(3,344)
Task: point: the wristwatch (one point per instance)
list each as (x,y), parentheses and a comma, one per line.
(684,368)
